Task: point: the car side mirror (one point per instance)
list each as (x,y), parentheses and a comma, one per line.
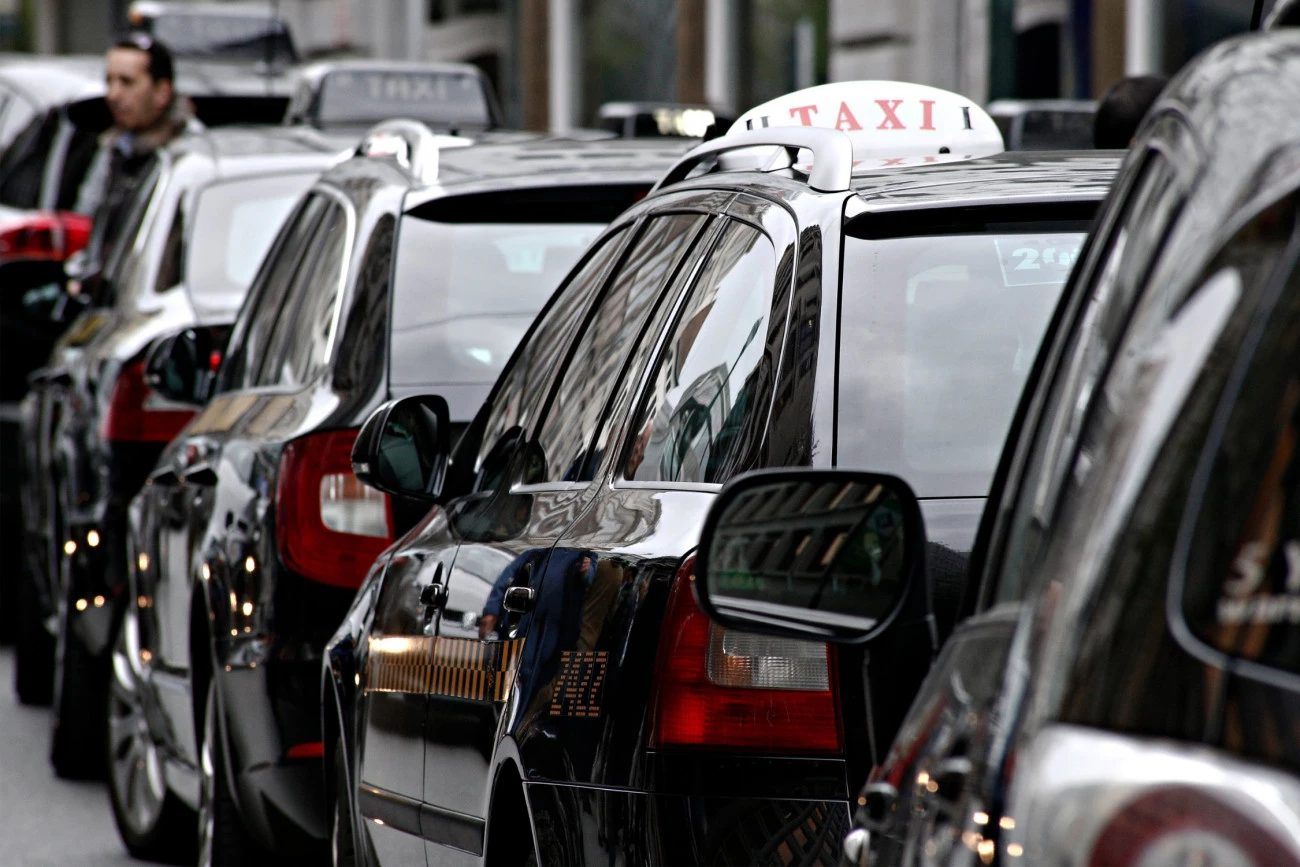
(404,447)
(180,366)
(818,554)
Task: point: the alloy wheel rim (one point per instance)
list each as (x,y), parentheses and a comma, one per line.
(207,782)
(135,761)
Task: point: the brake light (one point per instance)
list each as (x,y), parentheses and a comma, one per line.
(721,688)
(135,413)
(47,236)
(330,526)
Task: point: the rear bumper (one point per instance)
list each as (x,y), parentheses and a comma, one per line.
(581,825)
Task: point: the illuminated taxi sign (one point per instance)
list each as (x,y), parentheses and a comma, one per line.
(886,119)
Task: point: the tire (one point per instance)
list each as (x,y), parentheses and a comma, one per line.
(76,749)
(34,650)
(152,822)
(222,838)
(343,848)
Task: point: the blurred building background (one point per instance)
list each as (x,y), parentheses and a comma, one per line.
(555,61)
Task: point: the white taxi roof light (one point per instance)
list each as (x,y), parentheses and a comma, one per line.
(410,144)
(885,120)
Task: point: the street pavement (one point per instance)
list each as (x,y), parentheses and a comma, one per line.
(45,821)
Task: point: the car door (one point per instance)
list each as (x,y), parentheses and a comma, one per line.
(407,658)
(939,786)
(510,594)
(180,495)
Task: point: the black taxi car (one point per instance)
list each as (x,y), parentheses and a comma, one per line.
(526,674)
(414,265)
(191,240)
(1126,687)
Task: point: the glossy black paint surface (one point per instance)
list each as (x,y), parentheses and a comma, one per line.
(600,557)
(1106,510)
(216,598)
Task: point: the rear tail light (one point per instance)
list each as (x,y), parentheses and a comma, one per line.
(1090,798)
(330,526)
(137,414)
(719,688)
(52,237)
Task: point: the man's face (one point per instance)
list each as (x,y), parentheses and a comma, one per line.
(135,99)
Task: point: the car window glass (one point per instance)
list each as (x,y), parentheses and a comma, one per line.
(258,317)
(234,225)
(22,165)
(125,255)
(1113,275)
(364,342)
(703,416)
(520,388)
(593,370)
(303,335)
(1241,584)
(172,265)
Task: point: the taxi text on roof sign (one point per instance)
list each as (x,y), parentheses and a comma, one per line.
(886,120)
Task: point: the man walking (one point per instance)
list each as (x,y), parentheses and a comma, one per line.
(147,114)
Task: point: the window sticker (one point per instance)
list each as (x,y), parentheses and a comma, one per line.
(1034,260)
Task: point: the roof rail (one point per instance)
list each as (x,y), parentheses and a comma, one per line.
(410,143)
(832,167)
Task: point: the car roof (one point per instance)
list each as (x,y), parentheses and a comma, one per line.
(1014,176)
(52,83)
(154,8)
(550,162)
(241,151)
(1020,106)
(314,72)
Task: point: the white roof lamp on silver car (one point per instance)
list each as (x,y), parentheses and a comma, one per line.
(832,130)
(410,144)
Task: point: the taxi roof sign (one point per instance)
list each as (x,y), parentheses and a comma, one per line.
(885,119)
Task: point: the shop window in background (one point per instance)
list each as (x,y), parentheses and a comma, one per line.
(629,52)
(786,47)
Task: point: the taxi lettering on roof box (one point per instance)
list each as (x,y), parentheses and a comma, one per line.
(886,120)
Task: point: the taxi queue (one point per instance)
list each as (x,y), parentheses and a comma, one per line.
(453,566)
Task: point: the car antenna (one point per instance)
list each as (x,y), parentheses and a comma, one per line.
(1256,14)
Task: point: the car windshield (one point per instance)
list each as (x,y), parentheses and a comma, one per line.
(364,97)
(224,37)
(938,334)
(464,293)
(234,225)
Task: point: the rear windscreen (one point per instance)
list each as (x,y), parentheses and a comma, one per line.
(234,225)
(224,37)
(442,99)
(939,330)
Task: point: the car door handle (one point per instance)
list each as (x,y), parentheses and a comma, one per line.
(951,776)
(519,600)
(199,474)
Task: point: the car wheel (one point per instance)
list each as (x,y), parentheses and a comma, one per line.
(343,847)
(78,704)
(34,650)
(152,822)
(223,841)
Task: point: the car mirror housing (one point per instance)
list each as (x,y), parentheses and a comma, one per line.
(179,366)
(404,447)
(817,554)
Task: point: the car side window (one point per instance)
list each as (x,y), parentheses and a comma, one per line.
(522,386)
(253,327)
(1240,581)
(363,344)
(172,265)
(301,340)
(1114,275)
(703,416)
(594,369)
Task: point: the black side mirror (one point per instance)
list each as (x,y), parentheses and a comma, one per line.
(404,447)
(819,554)
(179,366)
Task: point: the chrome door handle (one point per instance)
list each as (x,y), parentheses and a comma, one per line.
(519,600)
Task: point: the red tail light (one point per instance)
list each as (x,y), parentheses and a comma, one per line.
(135,414)
(721,688)
(41,235)
(331,527)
